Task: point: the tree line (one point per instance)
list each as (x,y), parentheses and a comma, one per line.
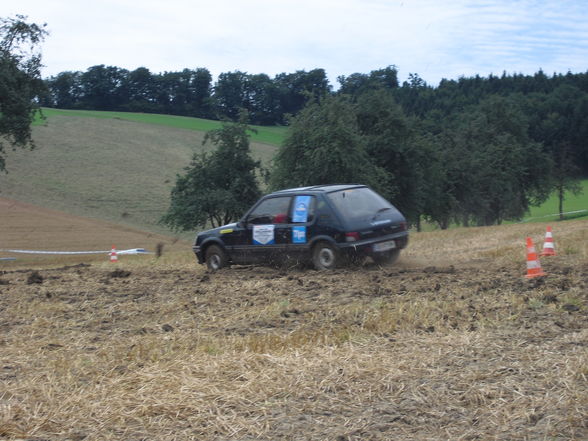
(545,101)
(475,151)
(189,92)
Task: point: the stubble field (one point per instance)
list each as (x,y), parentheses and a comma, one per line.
(452,343)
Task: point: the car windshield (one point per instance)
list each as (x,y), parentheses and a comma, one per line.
(359,203)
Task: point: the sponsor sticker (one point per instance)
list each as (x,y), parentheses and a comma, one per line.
(298,234)
(226,230)
(301,205)
(263,234)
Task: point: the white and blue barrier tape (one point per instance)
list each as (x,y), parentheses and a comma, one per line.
(118,252)
(553,215)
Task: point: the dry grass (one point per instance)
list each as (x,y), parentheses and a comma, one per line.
(453,343)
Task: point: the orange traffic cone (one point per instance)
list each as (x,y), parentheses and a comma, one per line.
(548,248)
(113,255)
(533,265)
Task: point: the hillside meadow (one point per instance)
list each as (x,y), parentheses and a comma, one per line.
(451,343)
(106,167)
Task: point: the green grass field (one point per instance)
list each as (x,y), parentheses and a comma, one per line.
(267,135)
(549,210)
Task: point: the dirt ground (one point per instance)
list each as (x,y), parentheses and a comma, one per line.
(456,351)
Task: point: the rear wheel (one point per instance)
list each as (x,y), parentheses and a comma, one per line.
(386,258)
(325,256)
(216,258)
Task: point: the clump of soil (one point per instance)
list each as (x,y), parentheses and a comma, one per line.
(119,274)
(34,277)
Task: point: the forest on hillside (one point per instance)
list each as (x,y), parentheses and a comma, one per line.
(477,150)
(270,101)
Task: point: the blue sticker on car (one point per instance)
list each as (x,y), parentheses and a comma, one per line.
(298,234)
(301,205)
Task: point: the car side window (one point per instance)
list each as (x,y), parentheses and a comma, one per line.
(271,211)
(303,209)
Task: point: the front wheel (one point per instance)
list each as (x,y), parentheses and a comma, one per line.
(386,258)
(216,258)
(325,256)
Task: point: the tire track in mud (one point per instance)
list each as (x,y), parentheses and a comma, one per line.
(261,300)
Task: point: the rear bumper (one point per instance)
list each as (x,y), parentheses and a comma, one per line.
(366,247)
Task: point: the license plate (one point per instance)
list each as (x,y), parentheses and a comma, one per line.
(384,246)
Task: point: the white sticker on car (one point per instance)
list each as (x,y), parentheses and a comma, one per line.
(263,234)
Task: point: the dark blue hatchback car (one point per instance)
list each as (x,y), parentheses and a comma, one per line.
(324,224)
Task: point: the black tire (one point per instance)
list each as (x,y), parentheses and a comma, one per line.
(325,256)
(216,258)
(387,258)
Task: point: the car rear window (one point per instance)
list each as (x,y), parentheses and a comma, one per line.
(358,203)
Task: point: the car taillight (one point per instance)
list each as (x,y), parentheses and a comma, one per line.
(351,236)
(403,226)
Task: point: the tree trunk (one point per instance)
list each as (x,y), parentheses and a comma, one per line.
(444,224)
(560,195)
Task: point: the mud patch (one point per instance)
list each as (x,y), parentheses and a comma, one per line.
(119,274)
(35,278)
(266,353)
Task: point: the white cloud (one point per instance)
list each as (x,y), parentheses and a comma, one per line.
(435,39)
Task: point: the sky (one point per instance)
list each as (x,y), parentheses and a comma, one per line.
(435,39)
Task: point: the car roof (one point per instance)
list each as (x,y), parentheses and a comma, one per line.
(328,188)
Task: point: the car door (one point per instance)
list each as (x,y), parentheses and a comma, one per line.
(234,237)
(267,231)
(302,227)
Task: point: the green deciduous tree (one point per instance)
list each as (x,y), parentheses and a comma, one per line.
(298,88)
(357,83)
(64,90)
(103,87)
(324,146)
(218,187)
(230,94)
(140,87)
(20,81)
(559,118)
(499,172)
(393,143)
